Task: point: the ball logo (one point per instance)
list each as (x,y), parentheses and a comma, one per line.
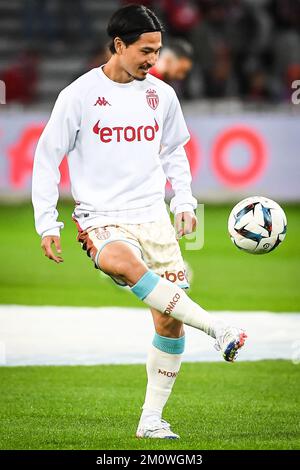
(152,99)
(128,133)
(266,246)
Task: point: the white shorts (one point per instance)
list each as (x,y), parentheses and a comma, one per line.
(155,242)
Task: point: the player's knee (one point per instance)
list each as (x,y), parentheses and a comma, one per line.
(121,261)
(130,269)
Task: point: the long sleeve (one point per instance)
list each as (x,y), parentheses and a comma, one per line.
(174,160)
(57,139)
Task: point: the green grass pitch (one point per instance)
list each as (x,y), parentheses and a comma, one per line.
(224,277)
(247,405)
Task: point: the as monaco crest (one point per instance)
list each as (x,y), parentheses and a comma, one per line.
(152,98)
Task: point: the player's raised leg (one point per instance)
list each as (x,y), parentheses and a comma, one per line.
(117,259)
(171,300)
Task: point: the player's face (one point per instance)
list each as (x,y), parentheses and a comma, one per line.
(139,57)
(179,69)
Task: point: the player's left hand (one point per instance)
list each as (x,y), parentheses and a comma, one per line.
(185,223)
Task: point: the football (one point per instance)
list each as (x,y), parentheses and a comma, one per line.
(257,225)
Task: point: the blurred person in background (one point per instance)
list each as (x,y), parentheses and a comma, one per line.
(230,35)
(174,63)
(213,51)
(180,15)
(220,80)
(285,46)
(38,21)
(292,74)
(49,21)
(73,21)
(99,55)
(258,86)
(21,78)
(242,49)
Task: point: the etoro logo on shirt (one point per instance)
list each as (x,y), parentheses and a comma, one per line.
(128,133)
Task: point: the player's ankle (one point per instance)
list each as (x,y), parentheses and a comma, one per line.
(150,414)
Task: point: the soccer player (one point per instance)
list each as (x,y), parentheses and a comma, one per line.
(124,132)
(175,61)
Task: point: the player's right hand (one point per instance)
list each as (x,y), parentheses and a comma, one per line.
(46,245)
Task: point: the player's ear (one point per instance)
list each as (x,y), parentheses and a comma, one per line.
(119,45)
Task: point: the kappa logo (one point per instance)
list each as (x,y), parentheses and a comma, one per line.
(167,373)
(172,304)
(128,133)
(101,101)
(152,98)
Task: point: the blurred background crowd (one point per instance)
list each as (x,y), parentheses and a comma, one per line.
(247,50)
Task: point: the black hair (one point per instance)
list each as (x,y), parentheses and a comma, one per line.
(180,47)
(129,22)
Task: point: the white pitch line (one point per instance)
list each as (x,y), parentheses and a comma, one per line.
(31,335)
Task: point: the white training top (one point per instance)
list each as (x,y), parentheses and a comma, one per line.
(122,141)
